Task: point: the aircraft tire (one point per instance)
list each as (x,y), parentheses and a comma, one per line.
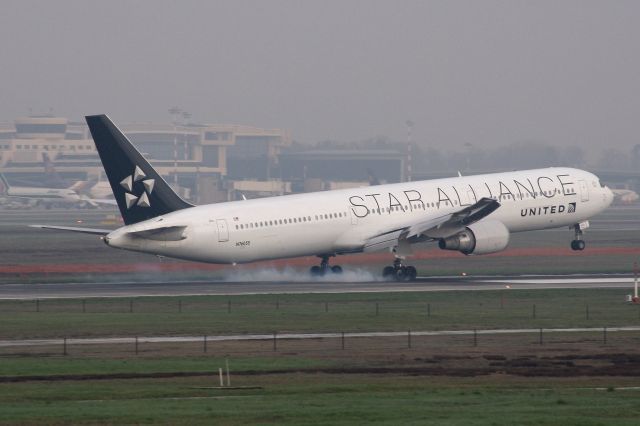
(411,273)
(578,245)
(401,274)
(316,271)
(388,272)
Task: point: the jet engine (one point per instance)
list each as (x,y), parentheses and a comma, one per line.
(482,237)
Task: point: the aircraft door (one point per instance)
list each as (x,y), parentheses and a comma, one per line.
(223,230)
(584,190)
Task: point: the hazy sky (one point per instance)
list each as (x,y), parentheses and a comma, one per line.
(482,72)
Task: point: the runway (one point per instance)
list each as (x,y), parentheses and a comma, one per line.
(207,288)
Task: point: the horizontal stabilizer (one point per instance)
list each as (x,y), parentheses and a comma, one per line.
(74,229)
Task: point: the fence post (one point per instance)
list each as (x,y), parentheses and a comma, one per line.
(587,311)
(541,336)
(343,340)
(604,334)
(275,344)
(136,344)
(409,339)
(534,311)
(204,345)
(64,346)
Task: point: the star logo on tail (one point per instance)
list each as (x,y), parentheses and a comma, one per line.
(141,200)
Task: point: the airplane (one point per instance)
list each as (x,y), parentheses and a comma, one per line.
(47,196)
(625,196)
(471,214)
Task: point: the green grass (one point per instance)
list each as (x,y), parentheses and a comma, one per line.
(292,393)
(209,315)
(46,366)
(306,399)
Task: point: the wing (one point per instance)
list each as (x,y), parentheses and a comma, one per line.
(74,229)
(432,227)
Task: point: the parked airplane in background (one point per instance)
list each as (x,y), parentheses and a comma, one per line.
(625,196)
(471,214)
(49,197)
(96,192)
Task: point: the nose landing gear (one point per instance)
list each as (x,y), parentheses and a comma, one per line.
(578,243)
(399,272)
(324,267)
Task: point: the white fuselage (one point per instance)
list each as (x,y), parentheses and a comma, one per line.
(44,194)
(340,221)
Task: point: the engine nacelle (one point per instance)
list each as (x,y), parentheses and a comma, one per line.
(483,237)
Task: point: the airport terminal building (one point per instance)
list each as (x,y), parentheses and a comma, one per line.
(203,162)
(197,158)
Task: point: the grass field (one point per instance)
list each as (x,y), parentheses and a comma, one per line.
(503,380)
(323,399)
(316,313)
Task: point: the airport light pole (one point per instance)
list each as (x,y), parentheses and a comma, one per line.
(175,112)
(409,124)
(186,116)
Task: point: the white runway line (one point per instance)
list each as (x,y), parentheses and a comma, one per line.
(564,281)
(298,336)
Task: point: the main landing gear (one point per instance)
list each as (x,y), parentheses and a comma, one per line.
(578,243)
(324,268)
(399,272)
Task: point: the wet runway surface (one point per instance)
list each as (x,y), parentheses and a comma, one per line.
(201,288)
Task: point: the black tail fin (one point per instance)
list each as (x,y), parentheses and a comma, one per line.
(139,190)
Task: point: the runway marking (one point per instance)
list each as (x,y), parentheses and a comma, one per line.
(563,281)
(300,336)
